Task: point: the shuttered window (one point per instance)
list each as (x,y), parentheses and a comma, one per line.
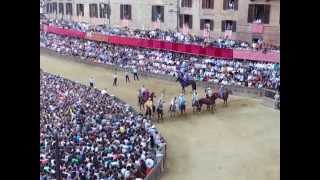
(206,23)
(207,4)
(185,19)
(61,8)
(259,13)
(125,11)
(186,3)
(69,9)
(104,10)
(55,8)
(230,4)
(228,25)
(157,13)
(80,10)
(93,10)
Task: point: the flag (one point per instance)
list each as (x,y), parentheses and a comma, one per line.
(257,28)
(185,29)
(124,23)
(206,31)
(228,34)
(156,24)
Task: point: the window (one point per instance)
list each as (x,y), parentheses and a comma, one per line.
(185,19)
(206,24)
(61,10)
(259,13)
(125,11)
(228,25)
(69,9)
(104,10)
(186,3)
(93,10)
(230,4)
(80,10)
(157,13)
(207,4)
(54,7)
(48,8)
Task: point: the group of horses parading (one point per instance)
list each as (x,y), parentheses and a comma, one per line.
(210,102)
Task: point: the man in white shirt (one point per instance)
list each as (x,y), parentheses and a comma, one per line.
(135,74)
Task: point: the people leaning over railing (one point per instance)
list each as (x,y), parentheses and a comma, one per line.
(171,36)
(97,136)
(219,71)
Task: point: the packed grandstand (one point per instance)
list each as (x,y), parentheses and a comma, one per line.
(99,137)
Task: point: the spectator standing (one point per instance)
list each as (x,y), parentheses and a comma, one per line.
(135,74)
(115,79)
(276,100)
(127,77)
(91,82)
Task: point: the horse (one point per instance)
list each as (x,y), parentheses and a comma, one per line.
(184,83)
(224,97)
(143,97)
(210,102)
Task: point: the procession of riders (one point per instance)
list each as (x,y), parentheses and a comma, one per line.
(146,101)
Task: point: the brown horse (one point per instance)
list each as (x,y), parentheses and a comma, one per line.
(224,97)
(142,100)
(210,102)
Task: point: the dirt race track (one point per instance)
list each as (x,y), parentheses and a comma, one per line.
(238,142)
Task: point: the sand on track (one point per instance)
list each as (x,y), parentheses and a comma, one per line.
(238,142)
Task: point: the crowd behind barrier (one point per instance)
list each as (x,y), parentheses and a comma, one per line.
(166,35)
(237,90)
(241,73)
(223,50)
(99,137)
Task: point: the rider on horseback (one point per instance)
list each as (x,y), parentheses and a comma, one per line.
(148,106)
(208,92)
(221,90)
(142,89)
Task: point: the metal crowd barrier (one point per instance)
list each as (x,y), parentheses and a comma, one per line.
(160,167)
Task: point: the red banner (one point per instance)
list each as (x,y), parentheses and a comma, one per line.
(257,56)
(66,32)
(257,28)
(96,37)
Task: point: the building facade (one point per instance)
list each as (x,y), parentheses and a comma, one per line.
(239,19)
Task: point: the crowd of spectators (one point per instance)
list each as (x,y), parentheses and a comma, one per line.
(168,35)
(219,71)
(99,137)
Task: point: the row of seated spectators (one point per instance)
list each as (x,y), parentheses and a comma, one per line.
(99,137)
(169,35)
(219,71)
